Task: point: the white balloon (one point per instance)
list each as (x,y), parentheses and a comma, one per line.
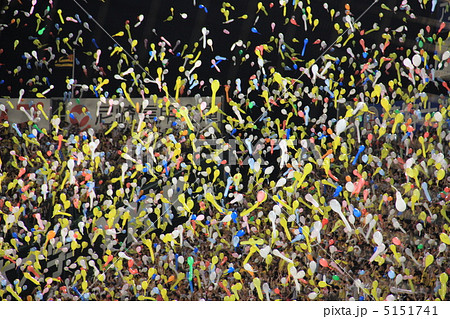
(350,187)
(335,205)
(445,56)
(378,238)
(407,63)
(312,266)
(398,279)
(341,125)
(272,216)
(400,204)
(264,252)
(293,271)
(311,199)
(226,219)
(417,59)
(438,116)
(312,295)
(390,298)
(419,227)
(277,210)
(281,182)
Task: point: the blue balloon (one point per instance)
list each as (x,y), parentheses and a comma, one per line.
(240,233)
(360,150)
(337,191)
(234,216)
(141,198)
(305,42)
(391,274)
(94,43)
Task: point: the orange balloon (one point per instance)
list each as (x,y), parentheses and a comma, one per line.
(108,260)
(21,172)
(133,271)
(51,234)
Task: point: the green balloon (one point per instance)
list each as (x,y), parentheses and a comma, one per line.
(190,262)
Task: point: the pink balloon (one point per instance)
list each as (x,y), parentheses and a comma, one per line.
(396,241)
(261,196)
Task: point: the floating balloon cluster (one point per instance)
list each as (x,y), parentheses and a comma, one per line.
(316,208)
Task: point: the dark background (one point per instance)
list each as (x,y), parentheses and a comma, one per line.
(112,16)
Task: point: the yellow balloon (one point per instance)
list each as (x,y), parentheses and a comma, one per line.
(322,284)
(428,261)
(305,230)
(444,238)
(385,104)
(66,204)
(440,174)
(381,131)
(86,149)
(443,278)
(422,216)
(316,22)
